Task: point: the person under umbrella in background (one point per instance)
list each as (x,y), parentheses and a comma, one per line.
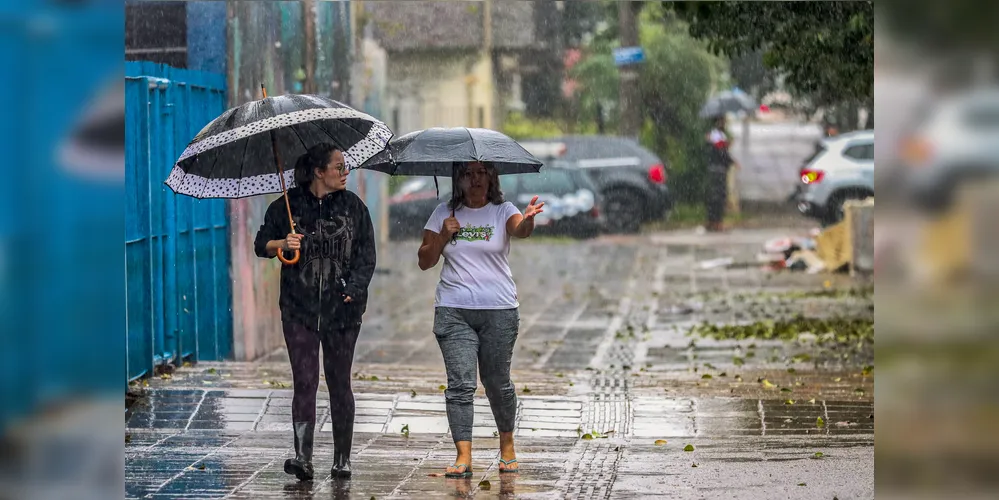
(476,318)
(323,295)
(719,161)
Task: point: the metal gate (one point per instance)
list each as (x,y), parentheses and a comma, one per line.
(176,247)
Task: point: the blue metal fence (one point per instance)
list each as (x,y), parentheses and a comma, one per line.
(177,247)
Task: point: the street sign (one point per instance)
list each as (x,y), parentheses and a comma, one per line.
(628,55)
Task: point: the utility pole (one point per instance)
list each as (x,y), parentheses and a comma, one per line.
(309,27)
(630,115)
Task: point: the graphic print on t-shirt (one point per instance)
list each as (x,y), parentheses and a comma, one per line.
(475,233)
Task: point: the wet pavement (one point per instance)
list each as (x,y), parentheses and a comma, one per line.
(605,352)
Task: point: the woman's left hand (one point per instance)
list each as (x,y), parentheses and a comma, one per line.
(347,300)
(533,208)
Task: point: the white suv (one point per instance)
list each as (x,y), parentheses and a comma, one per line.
(841,169)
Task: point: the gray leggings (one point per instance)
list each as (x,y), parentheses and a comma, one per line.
(467,336)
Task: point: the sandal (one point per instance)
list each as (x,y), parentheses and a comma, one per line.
(508,463)
(467,473)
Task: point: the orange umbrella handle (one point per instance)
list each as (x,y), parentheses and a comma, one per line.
(293,260)
(284,191)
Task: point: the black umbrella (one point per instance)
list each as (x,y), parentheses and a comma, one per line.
(252,149)
(434,151)
(729,101)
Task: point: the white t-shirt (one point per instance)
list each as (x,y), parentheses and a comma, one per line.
(476,273)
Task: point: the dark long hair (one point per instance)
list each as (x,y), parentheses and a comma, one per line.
(493,195)
(317,157)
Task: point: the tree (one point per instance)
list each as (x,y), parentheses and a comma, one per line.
(824,50)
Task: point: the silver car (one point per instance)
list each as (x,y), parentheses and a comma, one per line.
(955,144)
(841,169)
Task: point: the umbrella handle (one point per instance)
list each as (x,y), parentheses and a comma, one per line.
(292,260)
(284,191)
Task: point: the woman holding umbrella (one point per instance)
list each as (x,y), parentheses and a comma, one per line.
(477,319)
(323,296)
(321,233)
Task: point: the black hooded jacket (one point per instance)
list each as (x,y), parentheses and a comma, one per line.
(337,257)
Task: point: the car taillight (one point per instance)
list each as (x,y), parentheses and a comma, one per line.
(595,212)
(657,174)
(812,176)
(915,151)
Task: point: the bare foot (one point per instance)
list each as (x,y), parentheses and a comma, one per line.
(463,462)
(508,455)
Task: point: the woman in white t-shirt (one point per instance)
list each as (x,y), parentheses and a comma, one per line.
(476,318)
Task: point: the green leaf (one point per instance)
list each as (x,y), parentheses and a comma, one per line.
(791,370)
(689,447)
(405,430)
(442,387)
(868,370)
(819,422)
(785,389)
(587,436)
(526,390)
(789,402)
(767,385)
(412,393)
(485,485)
(802,484)
(859,391)
(706,376)
(818,454)
(738,361)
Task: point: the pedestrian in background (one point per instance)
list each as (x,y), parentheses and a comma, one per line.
(477,318)
(719,162)
(323,295)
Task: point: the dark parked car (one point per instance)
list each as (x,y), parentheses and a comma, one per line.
(631,178)
(572,201)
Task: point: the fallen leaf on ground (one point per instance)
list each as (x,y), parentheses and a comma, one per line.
(819,422)
(587,436)
(660,442)
(785,389)
(485,484)
(706,376)
(442,387)
(818,454)
(693,465)
(789,402)
(412,393)
(802,484)
(689,447)
(812,400)
(767,385)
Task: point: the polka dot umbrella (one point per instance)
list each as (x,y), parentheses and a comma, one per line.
(252,149)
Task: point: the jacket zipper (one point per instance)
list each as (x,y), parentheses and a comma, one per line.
(319,228)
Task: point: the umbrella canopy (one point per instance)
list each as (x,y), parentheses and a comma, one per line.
(729,101)
(434,151)
(240,153)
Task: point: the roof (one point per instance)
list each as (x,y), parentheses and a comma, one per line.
(423,25)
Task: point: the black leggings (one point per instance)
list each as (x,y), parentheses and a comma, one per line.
(338,356)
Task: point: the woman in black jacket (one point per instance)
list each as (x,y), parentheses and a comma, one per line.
(323,295)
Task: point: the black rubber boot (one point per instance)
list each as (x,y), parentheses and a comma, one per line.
(341,465)
(301,465)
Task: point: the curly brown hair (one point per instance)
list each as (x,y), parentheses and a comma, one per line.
(493,195)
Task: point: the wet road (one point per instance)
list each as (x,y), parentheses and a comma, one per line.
(603,350)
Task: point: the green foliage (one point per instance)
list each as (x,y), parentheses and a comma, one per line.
(825,50)
(676,80)
(518,127)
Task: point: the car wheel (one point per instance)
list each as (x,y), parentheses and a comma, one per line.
(624,211)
